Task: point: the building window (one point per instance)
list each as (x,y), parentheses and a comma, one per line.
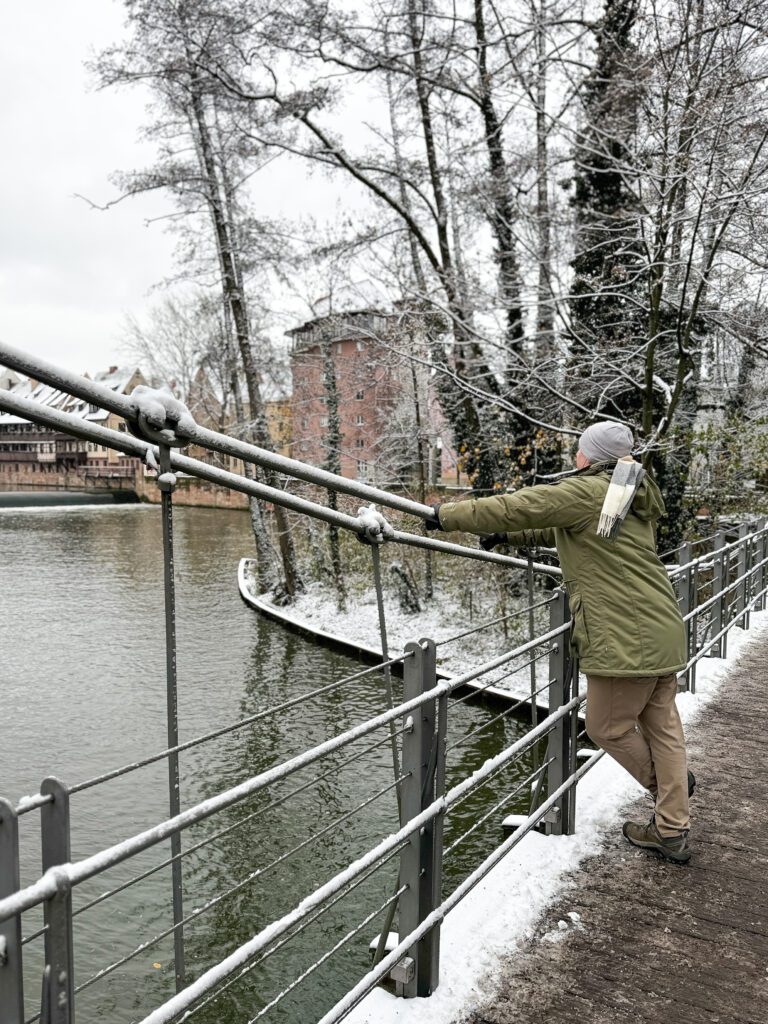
(360,420)
(338,348)
(360,346)
(362,468)
(360,396)
(305,423)
(323,421)
(360,443)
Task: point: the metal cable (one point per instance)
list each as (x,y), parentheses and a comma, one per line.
(115,773)
(497,806)
(703,540)
(489,779)
(199,911)
(31,803)
(494,622)
(518,668)
(34,935)
(726,591)
(356,994)
(301,927)
(231,828)
(329,953)
(491,721)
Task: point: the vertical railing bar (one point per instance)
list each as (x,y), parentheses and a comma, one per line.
(741,564)
(718,583)
(684,603)
(376,564)
(725,599)
(433,753)
(558,746)
(166,482)
(411,804)
(760,554)
(58,998)
(695,624)
(381,946)
(531,636)
(440,785)
(11,965)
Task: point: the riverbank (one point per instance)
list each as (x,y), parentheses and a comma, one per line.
(462,644)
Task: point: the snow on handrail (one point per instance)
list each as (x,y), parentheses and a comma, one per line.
(676,570)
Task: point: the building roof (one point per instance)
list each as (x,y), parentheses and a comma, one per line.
(116,378)
(349,323)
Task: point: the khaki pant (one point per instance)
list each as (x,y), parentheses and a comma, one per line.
(636,721)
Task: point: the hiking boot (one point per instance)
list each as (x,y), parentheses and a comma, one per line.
(674,848)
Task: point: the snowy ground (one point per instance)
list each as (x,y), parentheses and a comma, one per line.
(439,621)
(484,927)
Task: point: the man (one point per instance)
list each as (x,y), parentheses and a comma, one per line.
(627,627)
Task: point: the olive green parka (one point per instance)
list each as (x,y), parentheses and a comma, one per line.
(625,613)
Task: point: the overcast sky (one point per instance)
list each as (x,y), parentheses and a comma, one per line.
(68,273)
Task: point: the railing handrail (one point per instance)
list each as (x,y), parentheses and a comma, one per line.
(135,446)
(122,405)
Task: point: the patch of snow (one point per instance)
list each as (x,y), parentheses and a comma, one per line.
(317,609)
(373,527)
(485,928)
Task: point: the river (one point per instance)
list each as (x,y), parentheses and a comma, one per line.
(82,690)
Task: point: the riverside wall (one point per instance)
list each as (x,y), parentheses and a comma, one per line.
(137,485)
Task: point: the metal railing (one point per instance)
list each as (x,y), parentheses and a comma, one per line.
(717,589)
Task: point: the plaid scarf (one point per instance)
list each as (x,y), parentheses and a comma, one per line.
(626,479)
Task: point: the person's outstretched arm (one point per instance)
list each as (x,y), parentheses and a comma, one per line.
(534,510)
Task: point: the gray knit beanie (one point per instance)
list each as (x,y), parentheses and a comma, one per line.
(605,441)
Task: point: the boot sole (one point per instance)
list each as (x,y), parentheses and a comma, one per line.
(671,855)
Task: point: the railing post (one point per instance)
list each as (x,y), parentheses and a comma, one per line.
(685,603)
(742,591)
(759,548)
(719,583)
(11,976)
(58,999)
(561,747)
(421,859)
(166,481)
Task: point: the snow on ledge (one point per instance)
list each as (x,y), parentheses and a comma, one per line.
(485,928)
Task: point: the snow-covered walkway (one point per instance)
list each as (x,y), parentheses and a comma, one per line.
(586,927)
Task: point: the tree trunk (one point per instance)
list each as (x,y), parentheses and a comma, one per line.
(236,301)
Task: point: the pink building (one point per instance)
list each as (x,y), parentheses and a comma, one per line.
(368,391)
(379,386)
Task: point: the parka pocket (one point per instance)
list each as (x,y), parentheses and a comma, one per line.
(580,636)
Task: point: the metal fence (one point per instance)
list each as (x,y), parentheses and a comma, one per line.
(719,581)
